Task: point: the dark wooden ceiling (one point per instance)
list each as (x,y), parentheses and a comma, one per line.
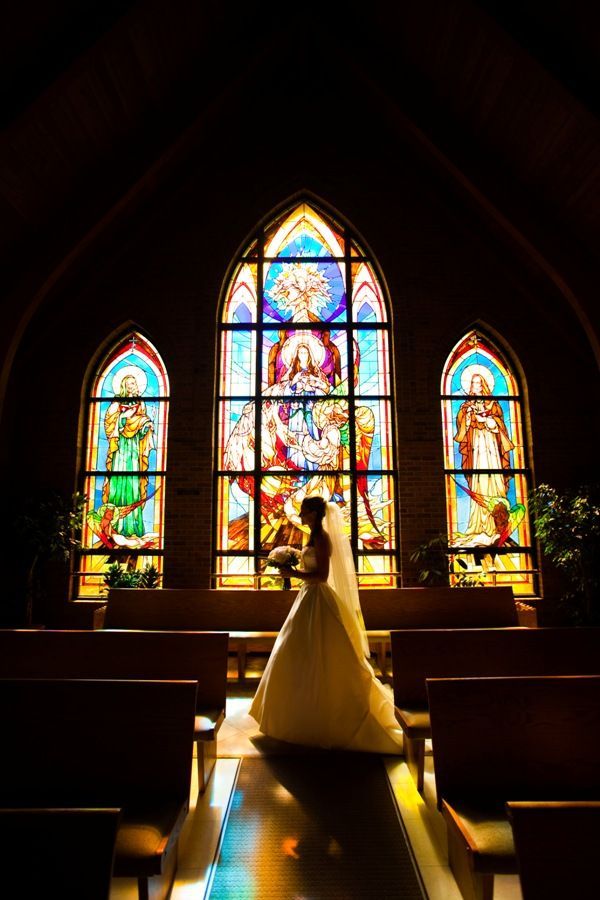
(94,94)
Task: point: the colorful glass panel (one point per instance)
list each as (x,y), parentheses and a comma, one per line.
(238,358)
(371,362)
(367,299)
(376,528)
(376,572)
(320,421)
(235,513)
(241,304)
(135,358)
(303,232)
(234,448)
(486,467)
(110,521)
(305,435)
(373,425)
(291,356)
(125,460)
(235,572)
(304,292)
(284,493)
(149,417)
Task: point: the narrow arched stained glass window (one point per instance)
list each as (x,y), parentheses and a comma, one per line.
(487,470)
(304,400)
(125,464)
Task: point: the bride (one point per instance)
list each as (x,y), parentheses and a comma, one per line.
(318,688)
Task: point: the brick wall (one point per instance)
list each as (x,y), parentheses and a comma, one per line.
(163,271)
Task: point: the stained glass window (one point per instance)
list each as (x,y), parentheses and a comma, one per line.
(125,464)
(305,402)
(486,469)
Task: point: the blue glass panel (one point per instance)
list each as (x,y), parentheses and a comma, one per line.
(304,292)
(372,358)
(236,439)
(238,358)
(130,374)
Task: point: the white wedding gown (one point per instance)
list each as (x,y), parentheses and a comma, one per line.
(317,688)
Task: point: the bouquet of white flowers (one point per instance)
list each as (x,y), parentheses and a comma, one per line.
(284,556)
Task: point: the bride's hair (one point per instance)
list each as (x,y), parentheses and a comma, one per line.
(318,506)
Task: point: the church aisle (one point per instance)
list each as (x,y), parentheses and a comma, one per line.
(240,739)
(321,824)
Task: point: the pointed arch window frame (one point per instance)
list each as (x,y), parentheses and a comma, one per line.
(255,253)
(489,348)
(92,473)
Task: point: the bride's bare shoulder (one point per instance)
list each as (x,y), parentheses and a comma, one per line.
(323,543)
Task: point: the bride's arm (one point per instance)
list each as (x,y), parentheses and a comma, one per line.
(321,572)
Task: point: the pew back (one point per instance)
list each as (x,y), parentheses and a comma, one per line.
(456,653)
(265,610)
(556,846)
(95,742)
(198,608)
(138,655)
(499,739)
(439,607)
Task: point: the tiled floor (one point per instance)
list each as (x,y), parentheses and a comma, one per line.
(239,736)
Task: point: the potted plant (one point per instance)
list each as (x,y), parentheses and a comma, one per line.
(431,558)
(435,565)
(118,576)
(567,526)
(47,528)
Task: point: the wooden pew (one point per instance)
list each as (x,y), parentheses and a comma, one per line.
(556,844)
(254,618)
(434,607)
(138,655)
(66,853)
(446,653)
(101,743)
(503,739)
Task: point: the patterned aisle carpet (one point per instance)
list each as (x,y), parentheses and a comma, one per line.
(312,827)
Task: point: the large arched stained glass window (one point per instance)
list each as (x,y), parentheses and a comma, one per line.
(487,471)
(304,403)
(125,463)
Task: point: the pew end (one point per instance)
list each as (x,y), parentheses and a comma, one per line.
(503,739)
(67,853)
(122,744)
(418,654)
(133,655)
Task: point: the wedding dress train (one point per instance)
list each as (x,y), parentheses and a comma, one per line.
(317,688)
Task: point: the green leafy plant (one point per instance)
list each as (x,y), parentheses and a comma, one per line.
(467,577)
(47,527)
(431,557)
(567,525)
(117,576)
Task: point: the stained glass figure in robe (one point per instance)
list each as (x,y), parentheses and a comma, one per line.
(305,433)
(487,511)
(484,443)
